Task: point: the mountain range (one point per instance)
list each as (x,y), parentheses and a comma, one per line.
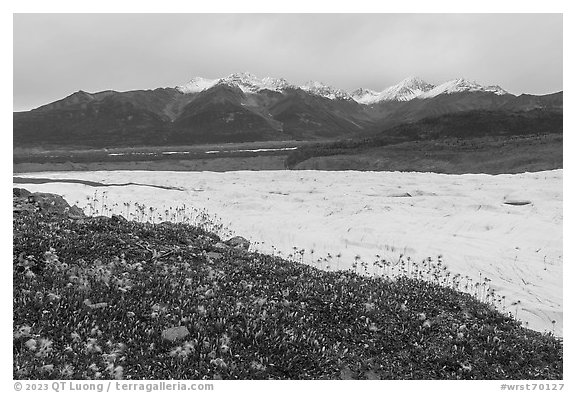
(242,108)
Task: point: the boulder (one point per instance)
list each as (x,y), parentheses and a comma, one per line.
(238,242)
(175,333)
(25,201)
(213,255)
(220,246)
(118,218)
(21,193)
(53,204)
(20,208)
(401,195)
(517,202)
(76,213)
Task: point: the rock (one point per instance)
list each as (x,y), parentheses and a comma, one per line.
(118,218)
(24,208)
(402,195)
(175,333)
(25,201)
(21,193)
(517,202)
(371,375)
(347,373)
(238,242)
(220,246)
(213,255)
(75,212)
(52,204)
(98,305)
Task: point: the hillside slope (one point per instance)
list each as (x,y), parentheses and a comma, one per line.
(113,290)
(449,135)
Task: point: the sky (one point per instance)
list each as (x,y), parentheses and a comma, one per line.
(55,55)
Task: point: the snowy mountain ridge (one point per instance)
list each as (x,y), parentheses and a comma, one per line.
(406,90)
(245,81)
(461,85)
(323,90)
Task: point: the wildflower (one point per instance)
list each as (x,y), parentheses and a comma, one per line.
(225,343)
(95,331)
(67,370)
(53,297)
(218,363)
(422,316)
(75,337)
(45,347)
(156,307)
(369,306)
(47,368)
(182,351)
(118,372)
(92,346)
(31,344)
(130,314)
(29,273)
(427,323)
(23,331)
(257,366)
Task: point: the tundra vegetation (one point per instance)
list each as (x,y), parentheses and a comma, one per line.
(163,296)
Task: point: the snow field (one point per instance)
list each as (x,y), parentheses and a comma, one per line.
(359,215)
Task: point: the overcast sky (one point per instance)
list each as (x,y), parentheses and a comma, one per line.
(58,54)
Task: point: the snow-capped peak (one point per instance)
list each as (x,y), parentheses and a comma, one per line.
(197,84)
(364,96)
(461,85)
(406,90)
(245,81)
(276,84)
(323,90)
(496,90)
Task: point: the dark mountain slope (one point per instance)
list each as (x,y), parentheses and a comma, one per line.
(525,102)
(98,123)
(417,109)
(477,123)
(462,126)
(306,116)
(220,114)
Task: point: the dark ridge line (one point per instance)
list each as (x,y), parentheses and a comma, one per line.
(39,180)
